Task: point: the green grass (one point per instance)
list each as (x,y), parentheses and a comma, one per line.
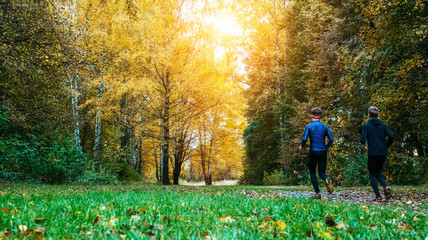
(180,212)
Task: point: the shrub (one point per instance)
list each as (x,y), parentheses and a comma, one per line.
(277,177)
(348,170)
(40,159)
(406,170)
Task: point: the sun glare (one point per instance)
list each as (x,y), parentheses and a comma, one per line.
(227,24)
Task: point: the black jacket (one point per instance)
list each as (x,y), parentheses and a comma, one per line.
(375,133)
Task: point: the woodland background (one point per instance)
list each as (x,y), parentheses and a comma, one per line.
(106,91)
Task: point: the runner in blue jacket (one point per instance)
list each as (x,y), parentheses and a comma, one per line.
(317,132)
(375,132)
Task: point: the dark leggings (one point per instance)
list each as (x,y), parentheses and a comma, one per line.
(375,164)
(320,158)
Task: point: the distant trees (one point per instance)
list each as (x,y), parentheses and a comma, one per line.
(342,56)
(133,80)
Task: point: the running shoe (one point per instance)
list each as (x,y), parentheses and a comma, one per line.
(388,192)
(378,199)
(317,196)
(329,185)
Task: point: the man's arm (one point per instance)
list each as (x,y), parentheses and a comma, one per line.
(363,137)
(390,136)
(305,137)
(330,138)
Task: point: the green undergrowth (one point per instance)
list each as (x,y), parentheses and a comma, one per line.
(181,212)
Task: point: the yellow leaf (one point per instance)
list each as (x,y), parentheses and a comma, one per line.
(319,224)
(112,221)
(280,225)
(226,219)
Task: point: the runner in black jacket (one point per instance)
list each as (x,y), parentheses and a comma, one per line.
(375,132)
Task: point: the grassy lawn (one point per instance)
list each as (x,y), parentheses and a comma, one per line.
(183,212)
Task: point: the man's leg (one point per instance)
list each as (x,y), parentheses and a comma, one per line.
(372,165)
(322,165)
(312,164)
(379,168)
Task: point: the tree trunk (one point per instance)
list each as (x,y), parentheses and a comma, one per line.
(165,126)
(97,151)
(179,156)
(155,154)
(75,107)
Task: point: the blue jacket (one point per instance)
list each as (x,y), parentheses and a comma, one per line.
(375,133)
(317,131)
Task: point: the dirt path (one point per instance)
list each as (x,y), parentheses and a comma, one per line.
(412,199)
(219,183)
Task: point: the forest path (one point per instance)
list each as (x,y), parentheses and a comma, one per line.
(412,199)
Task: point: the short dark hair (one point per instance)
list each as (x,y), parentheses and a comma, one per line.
(373,111)
(316,111)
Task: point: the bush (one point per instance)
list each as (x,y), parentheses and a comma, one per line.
(406,170)
(39,159)
(348,170)
(277,177)
(126,173)
(102,176)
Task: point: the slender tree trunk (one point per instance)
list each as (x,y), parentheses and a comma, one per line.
(156,159)
(97,151)
(166,132)
(140,156)
(179,156)
(75,106)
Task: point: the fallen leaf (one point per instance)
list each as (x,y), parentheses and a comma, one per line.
(373,227)
(135,218)
(319,224)
(404,225)
(22,228)
(329,221)
(39,234)
(267,219)
(96,220)
(202,235)
(226,219)
(143,210)
(280,225)
(263,225)
(159,226)
(5,210)
(112,221)
(341,226)
(8,233)
(28,232)
(165,218)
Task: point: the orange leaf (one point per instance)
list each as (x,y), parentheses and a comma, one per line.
(5,210)
(202,235)
(7,233)
(268,219)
